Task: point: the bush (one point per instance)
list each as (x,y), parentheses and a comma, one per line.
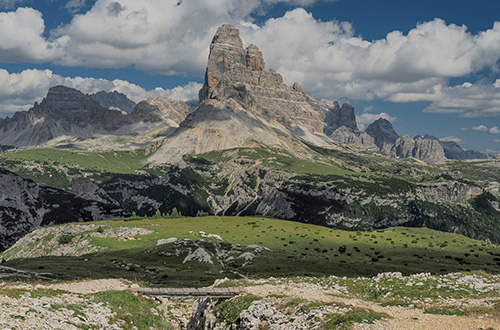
(65,239)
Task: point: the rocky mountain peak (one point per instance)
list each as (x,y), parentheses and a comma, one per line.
(62,98)
(383,133)
(238,73)
(114,100)
(337,116)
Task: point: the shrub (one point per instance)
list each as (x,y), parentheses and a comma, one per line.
(65,239)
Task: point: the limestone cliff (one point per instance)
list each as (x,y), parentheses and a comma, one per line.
(336,116)
(348,135)
(238,73)
(25,205)
(426,149)
(383,133)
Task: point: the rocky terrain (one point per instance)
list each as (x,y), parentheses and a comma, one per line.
(25,205)
(66,112)
(298,303)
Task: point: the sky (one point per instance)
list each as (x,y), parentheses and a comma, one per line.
(428,66)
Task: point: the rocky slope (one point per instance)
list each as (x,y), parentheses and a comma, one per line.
(453,150)
(423,148)
(70,113)
(348,135)
(114,100)
(383,133)
(25,205)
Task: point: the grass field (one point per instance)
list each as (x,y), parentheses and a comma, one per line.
(111,161)
(296,249)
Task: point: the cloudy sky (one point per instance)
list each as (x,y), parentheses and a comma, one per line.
(429,66)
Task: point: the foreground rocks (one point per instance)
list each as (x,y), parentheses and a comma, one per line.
(387,301)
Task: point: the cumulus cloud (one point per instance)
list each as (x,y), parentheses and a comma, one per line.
(326,57)
(452,139)
(19,91)
(21,37)
(480,128)
(481,99)
(495,130)
(366,119)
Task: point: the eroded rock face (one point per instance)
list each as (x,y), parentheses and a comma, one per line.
(383,133)
(348,135)
(162,109)
(64,111)
(426,149)
(25,205)
(336,116)
(239,73)
(114,100)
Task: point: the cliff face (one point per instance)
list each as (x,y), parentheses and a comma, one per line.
(426,149)
(383,134)
(238,73)
(25,205)
(161,109)
(114,100)
(347,135)
(336,116)
(68,112)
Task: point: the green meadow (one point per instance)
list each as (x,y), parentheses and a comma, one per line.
(296,249)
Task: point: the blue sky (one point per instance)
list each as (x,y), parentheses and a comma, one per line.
(428,66)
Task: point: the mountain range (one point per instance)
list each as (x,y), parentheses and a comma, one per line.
(253,145)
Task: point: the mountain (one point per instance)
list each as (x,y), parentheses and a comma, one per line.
(255,146)
(240,74)
(70,113)
(336,116)
(114,100)
(453,150)
(347,135)
(383,133)
(424,148)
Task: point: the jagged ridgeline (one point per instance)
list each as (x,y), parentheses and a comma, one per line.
(252,145)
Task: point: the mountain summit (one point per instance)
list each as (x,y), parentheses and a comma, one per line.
(238,73)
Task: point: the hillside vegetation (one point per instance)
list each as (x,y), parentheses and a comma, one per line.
(196,251)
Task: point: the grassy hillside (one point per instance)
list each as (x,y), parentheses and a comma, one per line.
(56,168)
(294,249)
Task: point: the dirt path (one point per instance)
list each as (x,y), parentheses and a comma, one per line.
(78,287)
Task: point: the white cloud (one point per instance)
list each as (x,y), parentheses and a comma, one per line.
(9,4)
(19,91)
(326,57)
(481,99)
(21,37)
(452,139)
(497,140)
(495,130)
(74,6)
(480,128)
(366,119)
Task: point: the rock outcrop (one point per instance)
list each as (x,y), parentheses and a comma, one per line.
(383,133)
(336,116)
(114,100)
(25,205)
(348,135)
(238,73)
(424,148)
